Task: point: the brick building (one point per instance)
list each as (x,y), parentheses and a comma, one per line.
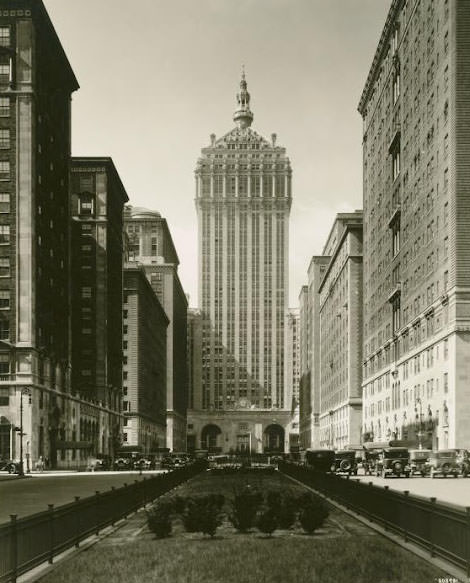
(416,131)
(151,245)
(97,202)
(145,362)
(340,338)
(36,83)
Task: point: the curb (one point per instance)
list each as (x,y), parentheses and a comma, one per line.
(448,568)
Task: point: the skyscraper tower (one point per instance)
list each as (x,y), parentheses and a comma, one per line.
(243,200)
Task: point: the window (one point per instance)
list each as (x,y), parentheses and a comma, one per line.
(4,299)
(396,86)
(446,382)
(4,139)
(4,364)
(396,237)
(154,246)
(4,69)
(396,314)
(86,229)
(4,107)
(86,372)
(4,233)
(85,205)
(4,203)
(396,164)
(4,170)
(86,183)
(86,292)
(4,36)
(4,397)
(4,266)
(4,329)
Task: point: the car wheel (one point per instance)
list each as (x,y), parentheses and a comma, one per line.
(11,469)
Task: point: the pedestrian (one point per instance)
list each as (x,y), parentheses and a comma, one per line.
(40,464)
(46,463)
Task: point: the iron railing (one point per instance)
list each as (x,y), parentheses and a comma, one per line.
(32,540)
(440,528)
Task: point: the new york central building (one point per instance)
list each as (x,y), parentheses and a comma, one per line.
(243,200)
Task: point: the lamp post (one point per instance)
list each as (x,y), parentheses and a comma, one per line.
(420,426)
(24,391)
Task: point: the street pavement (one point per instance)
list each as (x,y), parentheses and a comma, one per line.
(450,490)
(25,496)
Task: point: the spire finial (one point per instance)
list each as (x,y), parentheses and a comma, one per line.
(243,115)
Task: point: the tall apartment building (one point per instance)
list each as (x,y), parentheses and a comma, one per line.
(36,83)
(292,368)
(340,338)
(97,201)
(309,390)
(415,110)
(194,369)
(145,362)
(243,199)
(151,245)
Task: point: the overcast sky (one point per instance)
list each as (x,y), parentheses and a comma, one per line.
(157,77)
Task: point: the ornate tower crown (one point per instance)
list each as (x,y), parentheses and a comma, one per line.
(243,117)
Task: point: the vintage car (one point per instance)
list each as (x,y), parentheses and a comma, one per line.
(418,459)
(9,466)
(345,462)
(444,463)
(320,459)
(393,461)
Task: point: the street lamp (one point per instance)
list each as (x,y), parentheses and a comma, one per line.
(420,432)
(24,391)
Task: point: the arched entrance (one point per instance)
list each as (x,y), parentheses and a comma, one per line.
(273,439)
(211,438)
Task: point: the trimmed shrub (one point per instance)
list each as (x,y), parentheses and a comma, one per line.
(203,514)
(244,508)
(159,520)
(267,521)
(313,513)
(178,504)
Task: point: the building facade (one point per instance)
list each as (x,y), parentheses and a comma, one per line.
(416,131)
(340,339)
(309,398)
(151,245)
(145,360)
(36,84)
(97,200)
(243,199)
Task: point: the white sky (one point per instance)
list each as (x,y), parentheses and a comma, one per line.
(158,77)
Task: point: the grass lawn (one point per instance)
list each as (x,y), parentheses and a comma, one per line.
(342,551)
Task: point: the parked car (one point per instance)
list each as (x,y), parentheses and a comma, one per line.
(122,464)
(9,466)
(418,461)
(321,460)
(393,461)
(444,463)
(345,462)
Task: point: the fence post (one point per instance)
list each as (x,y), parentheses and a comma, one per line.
(77,522)
(431,525)
(468,540)
(51,533)
(13,548)
(406,493)
(97,513)
(113,490)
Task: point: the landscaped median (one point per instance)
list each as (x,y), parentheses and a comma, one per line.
(27,542)
(242,526)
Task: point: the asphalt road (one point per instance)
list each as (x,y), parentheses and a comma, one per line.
(32,494)
(453,490)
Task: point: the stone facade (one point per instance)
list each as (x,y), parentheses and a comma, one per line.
(340,338)
(145,361)
(151,245)
(415,109)
(243,199)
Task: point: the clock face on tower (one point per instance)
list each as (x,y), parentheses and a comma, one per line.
(243,403)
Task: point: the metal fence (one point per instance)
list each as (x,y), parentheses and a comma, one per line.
(440,528)
(30,541)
